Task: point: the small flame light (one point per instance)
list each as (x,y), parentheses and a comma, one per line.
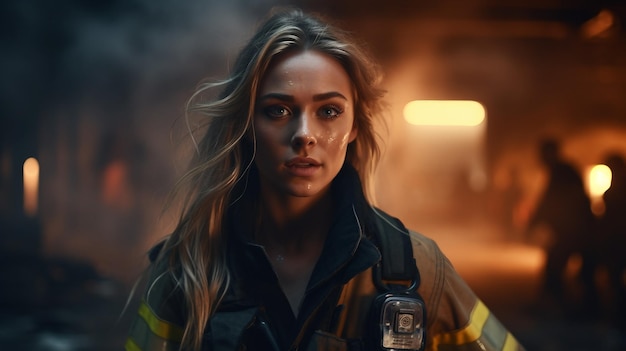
(31,186)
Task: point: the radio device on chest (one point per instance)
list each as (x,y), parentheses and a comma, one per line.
(397,315)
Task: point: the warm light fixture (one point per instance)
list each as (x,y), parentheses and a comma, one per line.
(30,173)
(444,112)
(599,180)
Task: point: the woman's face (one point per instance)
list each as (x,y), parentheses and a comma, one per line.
(304,120)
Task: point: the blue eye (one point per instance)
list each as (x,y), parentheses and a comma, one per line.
(330,111)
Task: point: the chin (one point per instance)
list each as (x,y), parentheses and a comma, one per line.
(306,190)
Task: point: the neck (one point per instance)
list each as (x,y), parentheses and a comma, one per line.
(291,224)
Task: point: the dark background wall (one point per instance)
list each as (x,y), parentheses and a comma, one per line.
(95,91)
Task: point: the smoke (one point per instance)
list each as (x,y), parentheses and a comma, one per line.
(94,88)
(58,49)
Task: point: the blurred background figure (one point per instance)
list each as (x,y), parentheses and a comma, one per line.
(613,229)
(565,209)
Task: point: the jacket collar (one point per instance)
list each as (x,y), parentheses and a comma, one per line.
(347,250)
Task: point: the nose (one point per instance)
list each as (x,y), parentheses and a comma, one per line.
(303,135)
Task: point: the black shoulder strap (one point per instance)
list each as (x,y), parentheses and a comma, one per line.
(394,243)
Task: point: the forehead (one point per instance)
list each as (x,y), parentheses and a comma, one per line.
(308,70)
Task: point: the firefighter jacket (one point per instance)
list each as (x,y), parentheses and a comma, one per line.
(334,315)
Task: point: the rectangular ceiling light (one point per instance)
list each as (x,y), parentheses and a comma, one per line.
(444,113)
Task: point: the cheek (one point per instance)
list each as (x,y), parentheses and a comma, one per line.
(266,135)
(265,142)
(338,140)
(353,134)
(349,133)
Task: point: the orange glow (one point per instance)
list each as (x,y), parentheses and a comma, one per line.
(115,187)
(31,185)
(598,25)
(467,113)
(599,180)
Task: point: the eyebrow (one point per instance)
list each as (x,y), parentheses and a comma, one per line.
(329,95)
(290,98)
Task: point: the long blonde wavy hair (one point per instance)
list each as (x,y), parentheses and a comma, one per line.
(195,251)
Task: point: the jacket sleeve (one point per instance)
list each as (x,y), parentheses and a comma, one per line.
(158,323)
(456,319)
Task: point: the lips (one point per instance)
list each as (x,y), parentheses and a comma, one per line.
(302,162)
(302,166)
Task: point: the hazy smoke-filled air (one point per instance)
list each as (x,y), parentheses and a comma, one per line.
(93,89)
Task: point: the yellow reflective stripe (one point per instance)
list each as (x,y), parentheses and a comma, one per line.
(131,346)
(471,332)
(510,344)
(158,326)
(494,333)
(483,331)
